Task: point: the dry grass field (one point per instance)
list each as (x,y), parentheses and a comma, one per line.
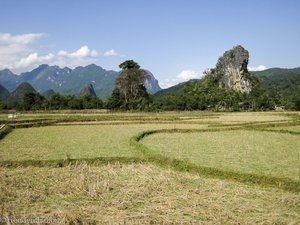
(99,167)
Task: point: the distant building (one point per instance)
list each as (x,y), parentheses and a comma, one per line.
(279,108)
(11,116)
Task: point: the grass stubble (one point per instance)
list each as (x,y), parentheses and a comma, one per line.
(139,193)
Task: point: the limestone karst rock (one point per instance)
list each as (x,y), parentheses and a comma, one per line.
(232,69)
(88,90)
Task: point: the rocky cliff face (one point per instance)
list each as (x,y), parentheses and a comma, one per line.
(151,84)
(232,69)
(88,90)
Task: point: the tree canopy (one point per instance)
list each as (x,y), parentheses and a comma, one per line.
(130,91)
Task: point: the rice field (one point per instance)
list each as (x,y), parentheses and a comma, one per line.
(97,167)
(75,142)
(257,152)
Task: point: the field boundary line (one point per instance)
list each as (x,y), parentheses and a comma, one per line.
(66,162)
(5,130)
(186,166)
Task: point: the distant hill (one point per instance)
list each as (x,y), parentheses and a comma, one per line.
(102,80)
(88,90)
(176,89)
(4,93)
(18,94)
(34,73)
(9,80)
(68,81)
(277,72)
(280,81)
(47,94)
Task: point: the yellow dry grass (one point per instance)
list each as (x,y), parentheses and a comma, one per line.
(139,194)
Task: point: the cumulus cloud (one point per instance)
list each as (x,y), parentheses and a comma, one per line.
(84,51)
(183,76)
(166,83)
(81,57)
(186,75)
(17,55)
(257,68)
(33,60)
(23,39)
(14,48)
(111,52)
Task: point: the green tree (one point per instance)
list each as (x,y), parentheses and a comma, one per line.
(91,102)
(130,91)
(131,80)
(56,101)
(33,101)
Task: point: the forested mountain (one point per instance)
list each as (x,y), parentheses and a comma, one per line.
(47,94)
(68,81)
(9,80)
(18,94)
(282,84)
(176,89)
(4,93)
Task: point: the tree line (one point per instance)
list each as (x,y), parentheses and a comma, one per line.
(35,101)
(130,94)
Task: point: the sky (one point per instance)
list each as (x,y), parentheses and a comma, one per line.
(174,39)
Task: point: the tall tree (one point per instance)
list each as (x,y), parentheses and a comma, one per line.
(130,84)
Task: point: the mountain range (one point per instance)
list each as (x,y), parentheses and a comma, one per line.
(93,79)
(70,81)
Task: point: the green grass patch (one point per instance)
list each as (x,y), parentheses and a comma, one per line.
(74,142)
(287,128)
(254,152)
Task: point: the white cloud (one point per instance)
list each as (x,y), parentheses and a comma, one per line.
(82,52)
(33,60)
(186,75)
(14,49)
(111,52)
(257,68)
(183,76)
(23,39)
(81,57)
(168,83)
(16,55)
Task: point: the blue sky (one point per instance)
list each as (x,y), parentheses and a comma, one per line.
(175,39)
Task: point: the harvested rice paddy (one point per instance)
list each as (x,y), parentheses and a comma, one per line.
(99,167)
